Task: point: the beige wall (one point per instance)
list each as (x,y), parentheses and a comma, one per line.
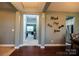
(57,38)
(7,23)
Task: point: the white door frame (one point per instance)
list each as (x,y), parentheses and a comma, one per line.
(24,29)
(71,23)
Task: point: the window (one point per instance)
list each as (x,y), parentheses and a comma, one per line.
(30,28)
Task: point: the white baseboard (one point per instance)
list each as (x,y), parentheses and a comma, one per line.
(68,44)
(55,44)
(17,47)
(39,45)
(52,45)
(42,47)
(7,45)
(30,45)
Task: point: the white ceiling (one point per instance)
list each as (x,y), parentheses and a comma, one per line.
(54,6)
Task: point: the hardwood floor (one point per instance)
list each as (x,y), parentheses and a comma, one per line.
(6,51)
(37,51)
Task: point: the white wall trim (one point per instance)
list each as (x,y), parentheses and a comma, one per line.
(68,44)
(42,47)
(7,45)
(55,44)
(43,29)
(52,45)
(17,47)
(24,27)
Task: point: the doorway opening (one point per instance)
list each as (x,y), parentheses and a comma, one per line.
(70,22)
(31,29)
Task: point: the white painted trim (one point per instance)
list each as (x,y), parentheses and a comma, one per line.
(37,27)
(24,27)
(43,29)
(52,45)
(7,45)
(42,47)
(68,44)
(17,47)
(30,45)
(55,44)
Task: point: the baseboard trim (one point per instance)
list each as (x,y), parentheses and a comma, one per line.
(17,47)
(68,44)
(55,44)
(42,47)
(7,45)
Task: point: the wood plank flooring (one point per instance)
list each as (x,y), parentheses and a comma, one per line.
(6,51)
(37,51)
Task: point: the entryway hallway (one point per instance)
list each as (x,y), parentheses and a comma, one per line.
(57,28)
